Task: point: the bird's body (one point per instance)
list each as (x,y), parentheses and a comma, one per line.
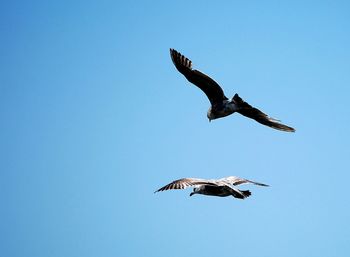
(226,108)
(221,106)
(212,190)
(214,187)
(220,191)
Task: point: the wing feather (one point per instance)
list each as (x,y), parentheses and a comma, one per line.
(251,112)
(232,180)
(212,89)
(185,183)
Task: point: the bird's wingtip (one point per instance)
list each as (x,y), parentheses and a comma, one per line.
(290,129)
(283,127)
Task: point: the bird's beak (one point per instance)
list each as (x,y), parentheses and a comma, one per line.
(209,120)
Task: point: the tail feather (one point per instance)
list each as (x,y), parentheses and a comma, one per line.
(246,193)
(243,194)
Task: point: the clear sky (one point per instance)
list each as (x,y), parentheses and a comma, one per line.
(95,118)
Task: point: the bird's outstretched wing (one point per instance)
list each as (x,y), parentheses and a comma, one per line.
(251,112)
(212,89)
(232,180)
(185,183)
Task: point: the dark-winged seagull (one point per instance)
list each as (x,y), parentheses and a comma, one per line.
(216,187)
(221,106)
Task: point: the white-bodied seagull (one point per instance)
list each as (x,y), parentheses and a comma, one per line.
(215,187)
(221,106)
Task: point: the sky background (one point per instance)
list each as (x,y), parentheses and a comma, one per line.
(95,118)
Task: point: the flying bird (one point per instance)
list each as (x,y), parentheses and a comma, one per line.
(221,106)
(215,187)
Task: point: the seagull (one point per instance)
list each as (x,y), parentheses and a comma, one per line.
(221,106)
(215,187)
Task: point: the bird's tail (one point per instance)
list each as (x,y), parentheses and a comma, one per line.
(246,193)
(242,194)
(237,99)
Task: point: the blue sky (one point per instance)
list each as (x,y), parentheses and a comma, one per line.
(95,118)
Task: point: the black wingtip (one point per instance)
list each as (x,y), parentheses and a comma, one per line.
(258,183)
(284,128)
(173,55)
(263,185)
(160,189)
(181,62)
(173,52)
(276,124)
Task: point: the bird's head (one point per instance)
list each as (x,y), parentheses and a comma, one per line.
(210,115)
(194,191)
